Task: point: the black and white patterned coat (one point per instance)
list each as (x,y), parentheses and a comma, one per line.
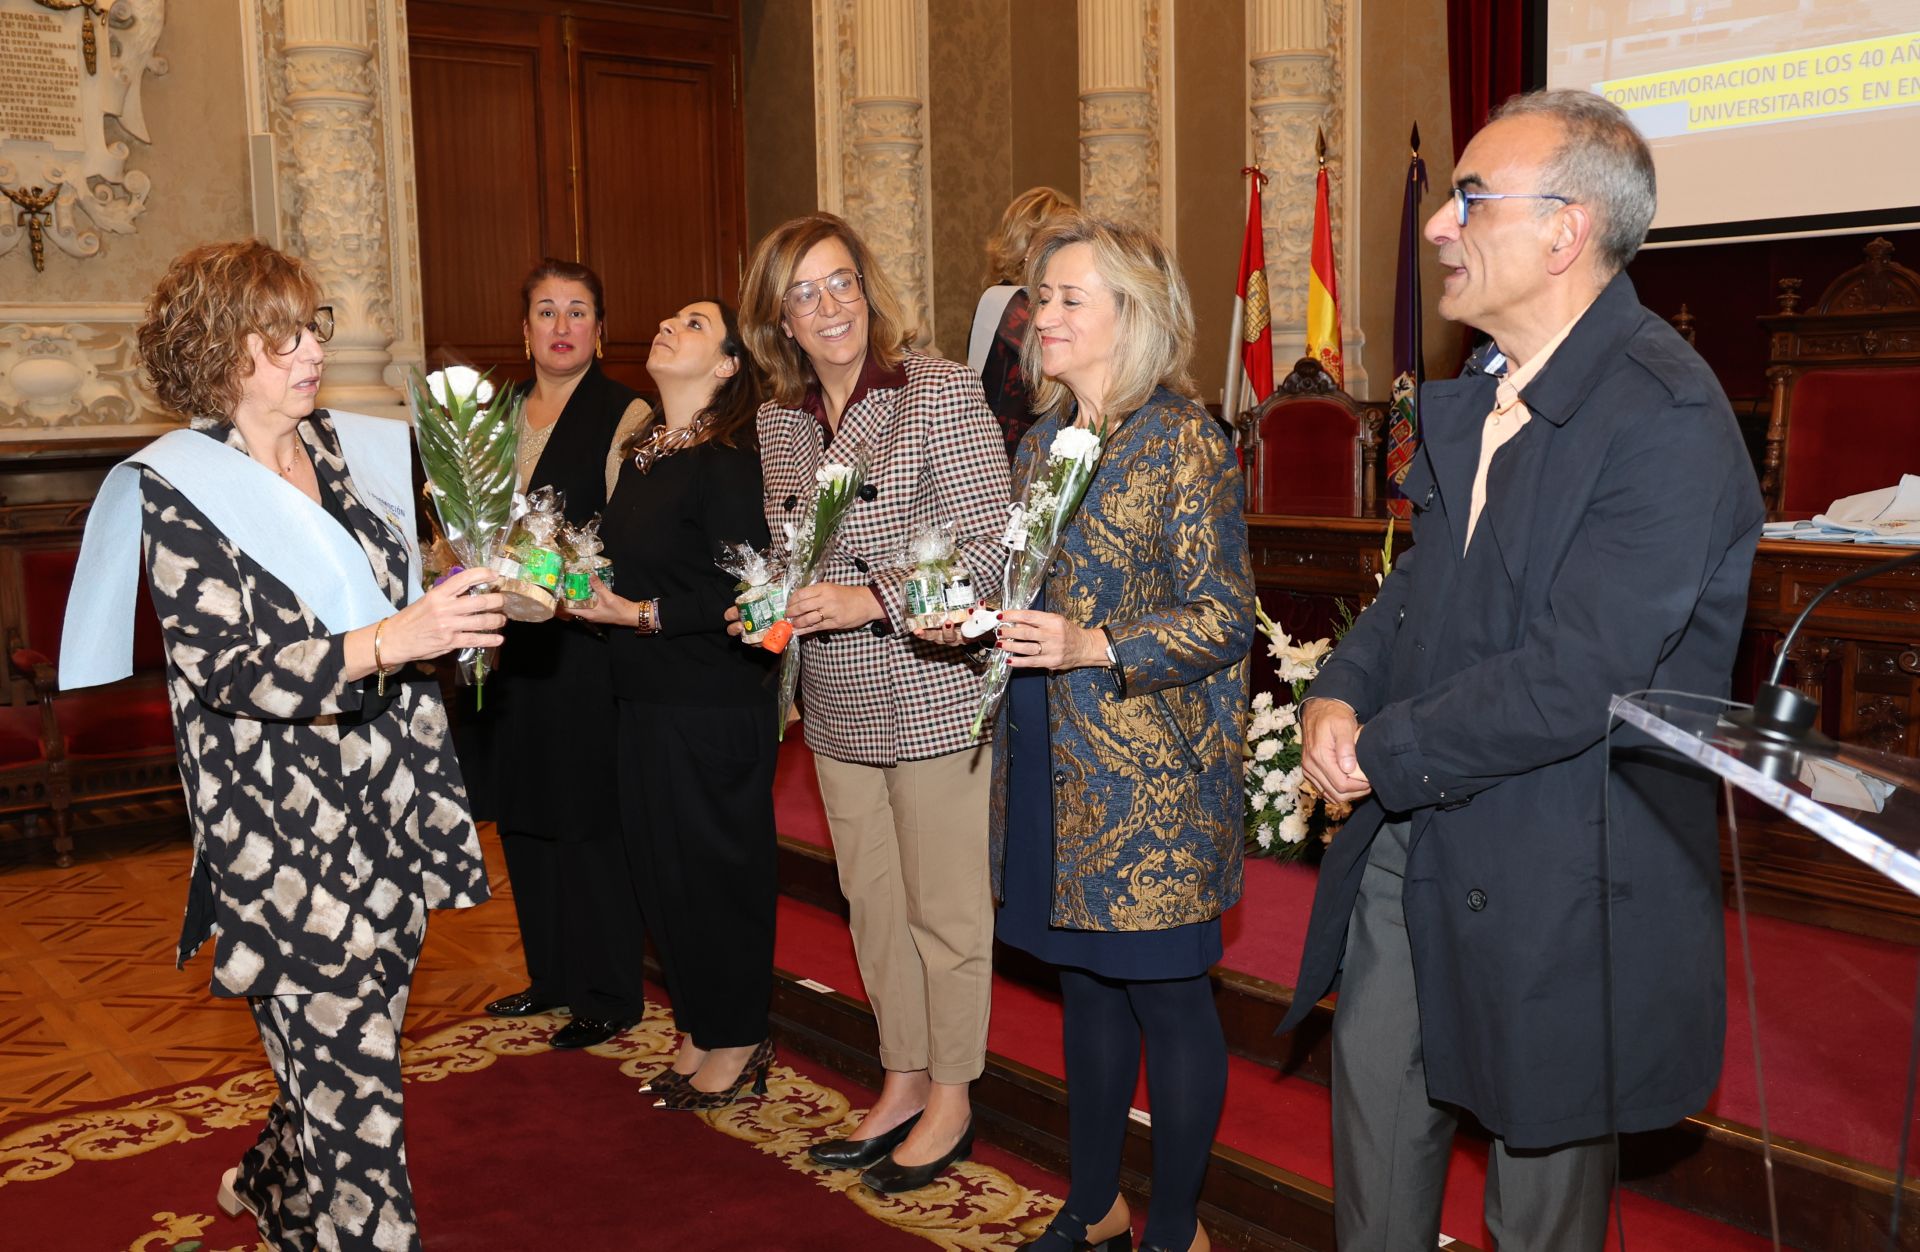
(318,830)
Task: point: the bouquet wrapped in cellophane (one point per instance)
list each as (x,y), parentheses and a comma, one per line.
(1034,527)
(761,594)
(808,546)
(468,445)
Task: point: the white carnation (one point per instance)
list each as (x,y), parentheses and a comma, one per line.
(1293,827)
(1073,443)
(1274,783)
(1264,835)
(1260,801)
(1268,749)
(1262,701)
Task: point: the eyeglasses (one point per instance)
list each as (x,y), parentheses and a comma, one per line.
(845,286)
(321,328)
(1462,199)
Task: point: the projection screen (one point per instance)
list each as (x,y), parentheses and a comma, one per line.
(1766,117)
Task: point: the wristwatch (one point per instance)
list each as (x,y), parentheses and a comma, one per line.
(1113,661)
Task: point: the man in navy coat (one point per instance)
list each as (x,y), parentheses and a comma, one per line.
(1522,929)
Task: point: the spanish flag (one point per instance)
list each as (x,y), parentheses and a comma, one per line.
(1323,290)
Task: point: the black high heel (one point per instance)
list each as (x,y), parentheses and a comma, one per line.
(1056,1239)
(889,1177)
(860,1153)
(688,1098)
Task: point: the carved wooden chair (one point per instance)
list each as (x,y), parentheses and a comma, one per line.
(1310,447)
(99,745)
(1845,379)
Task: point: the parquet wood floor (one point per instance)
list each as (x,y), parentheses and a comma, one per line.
(92,1008)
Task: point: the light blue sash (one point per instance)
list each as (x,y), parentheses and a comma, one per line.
(272,521)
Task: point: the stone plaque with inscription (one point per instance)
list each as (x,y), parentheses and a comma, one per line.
(65,177)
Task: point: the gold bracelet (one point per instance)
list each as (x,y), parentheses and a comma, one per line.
(646,617)
(380,685)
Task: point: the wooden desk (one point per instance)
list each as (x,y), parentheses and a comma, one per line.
(1859,654)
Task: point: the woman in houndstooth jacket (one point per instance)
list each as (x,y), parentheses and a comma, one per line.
(887,715)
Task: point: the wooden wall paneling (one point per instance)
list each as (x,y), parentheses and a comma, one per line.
(661,196)
(491,154)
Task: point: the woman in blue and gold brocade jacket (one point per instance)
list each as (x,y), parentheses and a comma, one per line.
(1117,764)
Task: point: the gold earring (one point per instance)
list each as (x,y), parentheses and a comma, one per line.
(526,346)
(600,346)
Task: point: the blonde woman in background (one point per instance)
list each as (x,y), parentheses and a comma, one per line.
(1000,320)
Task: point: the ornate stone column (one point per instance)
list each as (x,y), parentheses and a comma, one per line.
(1297,90)
(1120,42)
(871,89)
(335,100)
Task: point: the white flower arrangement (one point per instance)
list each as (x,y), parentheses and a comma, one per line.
(1284,812)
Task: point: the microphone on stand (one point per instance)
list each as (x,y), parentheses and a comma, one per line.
(1784,716)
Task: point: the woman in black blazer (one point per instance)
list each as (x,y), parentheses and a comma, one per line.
(695,744)
(539,756)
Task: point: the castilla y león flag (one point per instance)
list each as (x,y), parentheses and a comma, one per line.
(1403,416)
(1250,311)
(1323,290)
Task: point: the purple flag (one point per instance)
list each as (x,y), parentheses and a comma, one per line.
(1403,414)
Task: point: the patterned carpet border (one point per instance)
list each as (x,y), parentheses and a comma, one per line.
(974,1208)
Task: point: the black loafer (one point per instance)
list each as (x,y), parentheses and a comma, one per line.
(585,1032)
(890,1177)
(523,1004)
(860,1153)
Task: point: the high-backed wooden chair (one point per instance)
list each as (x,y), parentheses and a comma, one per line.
(1310,447)
(1845,378)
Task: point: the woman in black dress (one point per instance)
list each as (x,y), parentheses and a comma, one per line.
(540,754)
(695,746)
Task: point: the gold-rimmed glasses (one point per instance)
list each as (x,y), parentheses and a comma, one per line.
(843,285)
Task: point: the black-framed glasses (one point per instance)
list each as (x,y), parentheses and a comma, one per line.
(845,286)
(1463,199)
(321,328)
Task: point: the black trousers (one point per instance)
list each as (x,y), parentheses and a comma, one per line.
(579,921)
(696,803)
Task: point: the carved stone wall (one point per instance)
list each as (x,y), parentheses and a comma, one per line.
(1120,110)
(330,90)
(294,124)
(1300,54)
(870,82)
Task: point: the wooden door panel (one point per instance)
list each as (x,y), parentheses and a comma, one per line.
(478,147)
(649,196)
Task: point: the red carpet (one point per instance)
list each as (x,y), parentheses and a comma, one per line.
(512,1148)
(1287,1121)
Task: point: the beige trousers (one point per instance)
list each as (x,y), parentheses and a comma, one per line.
(910,842)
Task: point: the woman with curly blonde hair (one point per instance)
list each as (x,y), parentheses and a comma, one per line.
(327,808)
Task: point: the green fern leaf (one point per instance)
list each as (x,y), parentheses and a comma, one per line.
(470,456)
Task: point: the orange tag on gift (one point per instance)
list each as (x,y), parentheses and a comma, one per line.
(777,635)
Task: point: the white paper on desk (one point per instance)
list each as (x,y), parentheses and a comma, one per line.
(1889,511)
(1845,786)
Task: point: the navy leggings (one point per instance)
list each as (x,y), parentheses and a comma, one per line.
(1105,1022)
